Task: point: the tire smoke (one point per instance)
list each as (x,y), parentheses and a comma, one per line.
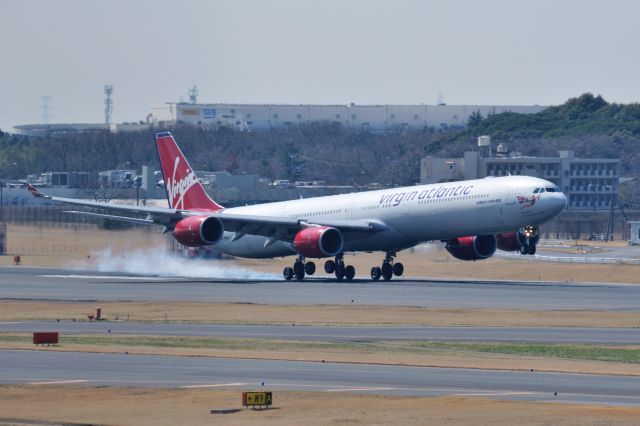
(159,263)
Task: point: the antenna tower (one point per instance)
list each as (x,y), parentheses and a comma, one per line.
(46,108)
(108,103)
(193,95)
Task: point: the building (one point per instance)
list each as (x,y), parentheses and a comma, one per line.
(375,118)
(61,129)
(587,183)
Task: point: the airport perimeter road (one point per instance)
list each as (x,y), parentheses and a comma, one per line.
(50,368)
(611,336)
(18,283)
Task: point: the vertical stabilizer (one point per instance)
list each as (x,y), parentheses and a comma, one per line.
(184,191)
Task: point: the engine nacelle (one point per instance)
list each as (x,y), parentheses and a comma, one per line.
(196,231)
(512,241)
(318,241)
(472,248)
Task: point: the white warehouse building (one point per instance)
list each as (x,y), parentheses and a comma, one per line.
(375,118)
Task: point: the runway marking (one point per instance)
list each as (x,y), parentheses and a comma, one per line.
(59,382)
(113,277)
(494,393)
(216,385)
(359,389)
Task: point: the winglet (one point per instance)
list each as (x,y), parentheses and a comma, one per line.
(32,189)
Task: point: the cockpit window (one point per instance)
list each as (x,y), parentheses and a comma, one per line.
(535,191)
(541,190)
(551,189)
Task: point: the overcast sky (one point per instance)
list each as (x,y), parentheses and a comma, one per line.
(302,51)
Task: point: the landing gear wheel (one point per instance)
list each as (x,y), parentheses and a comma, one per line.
(287,273)
(310,268)
(340,271)
(376,273)
(524,249)
(532,249)
(329,266)
(298,270)
(349,272)
(387,271)
(398,269)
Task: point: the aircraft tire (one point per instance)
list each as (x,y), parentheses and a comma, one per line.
(349,272)
(387,271)
(398,269)
(339,272)
(376,273)
(524,249)
(298,270)
(310,268)
(287,273)
(532,249)
(329,266)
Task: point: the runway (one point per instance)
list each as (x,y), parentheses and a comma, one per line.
(41,368)
(18,283)
(572,335)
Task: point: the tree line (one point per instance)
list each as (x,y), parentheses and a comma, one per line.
(329,152)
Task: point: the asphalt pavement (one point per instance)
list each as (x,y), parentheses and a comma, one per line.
(42,368)
(18,283)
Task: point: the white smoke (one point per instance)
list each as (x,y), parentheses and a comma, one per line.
(163,264)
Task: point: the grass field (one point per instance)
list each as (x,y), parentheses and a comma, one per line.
(318,315)
(592,359)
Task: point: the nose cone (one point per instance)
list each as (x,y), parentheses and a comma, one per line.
(559,202)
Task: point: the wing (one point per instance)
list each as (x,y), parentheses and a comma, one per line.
(283,228)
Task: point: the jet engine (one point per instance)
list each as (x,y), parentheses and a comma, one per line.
(473,247)
(318,241)
(196,231)
(523,240)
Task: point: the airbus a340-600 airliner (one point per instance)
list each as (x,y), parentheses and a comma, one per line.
(473,217)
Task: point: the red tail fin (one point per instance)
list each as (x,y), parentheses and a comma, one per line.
(184,191)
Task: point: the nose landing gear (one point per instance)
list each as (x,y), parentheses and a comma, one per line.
(529,240)
(388,268)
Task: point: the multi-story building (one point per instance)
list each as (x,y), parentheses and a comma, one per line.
(375,118)
(588,183)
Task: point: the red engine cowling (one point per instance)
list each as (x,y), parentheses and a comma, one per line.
(512,241)
(196,231)
(318,241)
(472,248)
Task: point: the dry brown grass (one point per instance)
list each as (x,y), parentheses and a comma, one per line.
(319,315)
(136,406)
(41,246)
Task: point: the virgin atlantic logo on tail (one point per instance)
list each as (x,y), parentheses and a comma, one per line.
(177,189)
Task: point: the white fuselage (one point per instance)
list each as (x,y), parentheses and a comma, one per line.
(412,214)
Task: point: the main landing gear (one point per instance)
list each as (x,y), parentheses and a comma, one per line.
(338,268)
(299,270)
(388,268)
